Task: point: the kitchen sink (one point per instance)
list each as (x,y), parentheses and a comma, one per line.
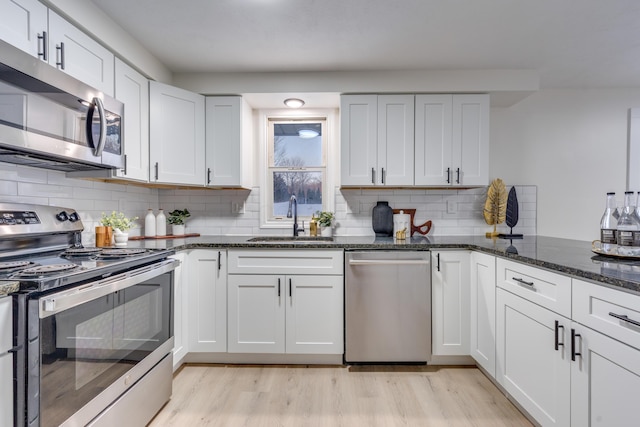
(291,239)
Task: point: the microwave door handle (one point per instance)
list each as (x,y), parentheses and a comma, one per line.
(97,150)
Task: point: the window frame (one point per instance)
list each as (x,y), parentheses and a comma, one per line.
(267,117)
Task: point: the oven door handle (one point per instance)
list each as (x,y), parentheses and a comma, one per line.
(64,300)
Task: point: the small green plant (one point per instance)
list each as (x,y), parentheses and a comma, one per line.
(117,220)
(325,219)
(178,217)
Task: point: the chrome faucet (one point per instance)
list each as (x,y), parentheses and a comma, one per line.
(294,202)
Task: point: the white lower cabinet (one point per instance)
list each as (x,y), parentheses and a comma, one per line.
(293,313)
(6,362)
(180,300)
(450,302)
(207,285)
(533,358)
(483,311)
(605,379)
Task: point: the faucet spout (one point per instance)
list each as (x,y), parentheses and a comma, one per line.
(293,202)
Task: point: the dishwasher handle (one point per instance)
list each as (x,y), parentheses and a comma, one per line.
(388,262)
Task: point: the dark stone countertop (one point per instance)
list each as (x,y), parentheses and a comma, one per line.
(572,257)
(8,286)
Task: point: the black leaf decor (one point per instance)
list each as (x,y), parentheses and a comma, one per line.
(511,215)
(512,208)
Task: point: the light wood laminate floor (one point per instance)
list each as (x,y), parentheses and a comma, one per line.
(327,396)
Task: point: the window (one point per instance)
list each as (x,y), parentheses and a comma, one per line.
(296,166)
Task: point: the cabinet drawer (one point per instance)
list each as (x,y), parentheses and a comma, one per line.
(307,261)
(542,287)
(597,306)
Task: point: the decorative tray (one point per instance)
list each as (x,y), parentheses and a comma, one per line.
(620,252)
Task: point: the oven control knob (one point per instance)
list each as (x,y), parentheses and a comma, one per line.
(62,216)
(73,217)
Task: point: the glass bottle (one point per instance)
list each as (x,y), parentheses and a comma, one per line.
(609,224)
(627,223)
(161,224)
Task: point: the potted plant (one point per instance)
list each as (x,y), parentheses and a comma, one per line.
(325,221)
(177,218)
(117,227)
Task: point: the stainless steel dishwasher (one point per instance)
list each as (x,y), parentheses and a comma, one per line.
(387,306)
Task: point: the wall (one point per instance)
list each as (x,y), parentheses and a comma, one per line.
(571,144)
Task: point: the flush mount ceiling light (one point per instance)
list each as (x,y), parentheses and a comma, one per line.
(293,102)
(308,133)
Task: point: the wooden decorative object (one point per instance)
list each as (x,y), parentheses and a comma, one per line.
(420,229)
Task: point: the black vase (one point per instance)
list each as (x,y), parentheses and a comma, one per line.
(382,219)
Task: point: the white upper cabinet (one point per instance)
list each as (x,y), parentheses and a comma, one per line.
(79,55)
(358,139)
(176,148)
(377,140)
(132,88)
(228,139)
(24,25)
(452,140)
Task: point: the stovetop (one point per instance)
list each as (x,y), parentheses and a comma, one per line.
(55,269)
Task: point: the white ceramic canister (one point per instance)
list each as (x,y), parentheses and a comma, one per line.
(161,224)
(402,221)
(150,224)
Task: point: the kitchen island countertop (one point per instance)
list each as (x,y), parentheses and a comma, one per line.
(572,257)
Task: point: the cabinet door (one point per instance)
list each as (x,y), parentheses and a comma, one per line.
(470,140)
(6,362)
(77,54)
(21,24)
(180,310)
(314,315)
(207,300)
(483,311)
(605,380)
(256,313)
(359,140)
(223,140)
(450,302)
(395,140)
(132,88)
(177,135)
(528,365)
(433,149)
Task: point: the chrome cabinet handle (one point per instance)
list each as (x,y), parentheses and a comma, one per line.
(219,261)
(383,175)
(124,170)
(43,53)
(156,171)
(438,257)
(523,282)
(208,175)
(278,287)
(448,175)
(60,55)
(373,176)
(574,351)
(458,176)
(624,318)
(290,288)
(558,326)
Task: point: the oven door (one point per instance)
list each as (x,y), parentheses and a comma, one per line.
(95,341)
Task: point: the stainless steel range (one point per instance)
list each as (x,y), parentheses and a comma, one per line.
(93,327)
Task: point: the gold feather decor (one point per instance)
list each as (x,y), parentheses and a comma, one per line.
(495,207)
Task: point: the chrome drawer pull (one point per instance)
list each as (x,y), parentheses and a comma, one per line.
(523,282)
(624,318)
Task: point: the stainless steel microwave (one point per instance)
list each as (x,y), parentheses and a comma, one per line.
(49,119)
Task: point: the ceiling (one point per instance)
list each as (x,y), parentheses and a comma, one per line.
(571,43)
